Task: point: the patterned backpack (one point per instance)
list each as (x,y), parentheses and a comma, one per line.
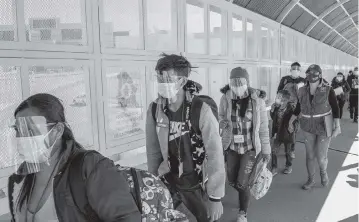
(152,197)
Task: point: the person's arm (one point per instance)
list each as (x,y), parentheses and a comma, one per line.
(153,149)
(272,111)
(264,128)
(333,103)
(281,84)
(346,87)
(212,142)
(108,192)
(222,115)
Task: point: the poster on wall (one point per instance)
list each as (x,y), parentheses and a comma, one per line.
(125,103)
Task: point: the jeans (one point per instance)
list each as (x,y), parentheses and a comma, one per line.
(354,106)
(316,148)
(288,149)
(239,169)
(341,103)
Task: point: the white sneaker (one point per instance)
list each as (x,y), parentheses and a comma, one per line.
(242,217)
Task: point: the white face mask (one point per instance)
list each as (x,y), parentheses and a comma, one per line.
(278,101)
(167,90)
(356,73)
(239,90)
(295,73)
(34,149)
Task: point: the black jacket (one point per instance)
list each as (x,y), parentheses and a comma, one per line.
(107,190)
(344,84)
(283,134)
(290,79)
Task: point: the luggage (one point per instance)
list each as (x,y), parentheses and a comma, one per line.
(151,196)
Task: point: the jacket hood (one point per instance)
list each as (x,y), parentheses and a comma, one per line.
(260,93)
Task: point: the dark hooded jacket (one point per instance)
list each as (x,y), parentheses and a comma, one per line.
(107,190)
(344,84)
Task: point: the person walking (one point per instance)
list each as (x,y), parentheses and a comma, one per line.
(353,96)
(183,144)
(319,120)
(282,133)
(292,83)
(244,123)
(341,89)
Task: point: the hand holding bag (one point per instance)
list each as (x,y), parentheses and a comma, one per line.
(262,180)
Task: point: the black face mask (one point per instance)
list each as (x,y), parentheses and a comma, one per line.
(313,78)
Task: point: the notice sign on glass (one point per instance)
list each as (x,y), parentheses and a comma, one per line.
(124,103)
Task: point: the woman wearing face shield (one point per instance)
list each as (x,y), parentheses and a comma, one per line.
(245,134)
(40,189)
(341,89)
(318,109)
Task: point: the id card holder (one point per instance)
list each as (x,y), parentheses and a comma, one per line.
(238,139)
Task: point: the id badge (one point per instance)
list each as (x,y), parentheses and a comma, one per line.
(238,139)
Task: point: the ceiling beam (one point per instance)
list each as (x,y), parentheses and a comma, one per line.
(346,12)
(321,16)
(315,16)
(337,25)
(287,10)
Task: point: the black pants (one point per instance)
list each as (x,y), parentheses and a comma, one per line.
(239,169)
(354,106)
(341,103)
(275,149)
(195,199)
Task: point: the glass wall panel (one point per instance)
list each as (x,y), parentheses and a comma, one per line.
(217,31)
(121,24)
(217,80)
(283,45)
(238,44)
(274,44)
(196,36)
(70,84)
(10,98)
(55,22)
(200,75)
(8,30)
(161,25)
(251,42)
(125,104)
(265,47)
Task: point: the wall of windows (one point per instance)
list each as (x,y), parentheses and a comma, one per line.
(103,71)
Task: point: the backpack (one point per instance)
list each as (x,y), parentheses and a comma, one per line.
(152,197)
(206,99)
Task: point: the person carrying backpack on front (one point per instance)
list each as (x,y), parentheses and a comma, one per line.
(183,143)
(292,83)
(245,133)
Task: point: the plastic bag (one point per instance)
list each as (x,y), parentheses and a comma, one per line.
(262,180)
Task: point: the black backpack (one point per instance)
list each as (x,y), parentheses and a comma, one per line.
(147,190)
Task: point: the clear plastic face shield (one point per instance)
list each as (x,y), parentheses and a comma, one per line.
(239,86)
(169,84)
(30,144)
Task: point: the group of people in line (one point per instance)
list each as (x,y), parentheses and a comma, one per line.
(190,147)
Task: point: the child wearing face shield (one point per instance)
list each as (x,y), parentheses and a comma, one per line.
(281,112)
(341,89)
(183,143)
(319,120)
(245,134)
(292,83)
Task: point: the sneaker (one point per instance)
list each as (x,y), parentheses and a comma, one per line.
(309,184)
(274,171)
(351,116)
(242,217)
(355,120)
(287,170)
(292,155)
(325,178)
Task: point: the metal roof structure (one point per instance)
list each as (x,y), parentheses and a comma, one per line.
(334,22)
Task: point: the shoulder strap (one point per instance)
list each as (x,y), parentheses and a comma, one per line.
(10,187)
(154,110)
(195,114)
(78,186)
(137,194)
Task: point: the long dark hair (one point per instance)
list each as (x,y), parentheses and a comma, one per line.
(52,109)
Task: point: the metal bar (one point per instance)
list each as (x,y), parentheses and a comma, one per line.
(346,12)
(287,10)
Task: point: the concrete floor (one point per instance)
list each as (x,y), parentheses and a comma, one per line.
(287,202)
